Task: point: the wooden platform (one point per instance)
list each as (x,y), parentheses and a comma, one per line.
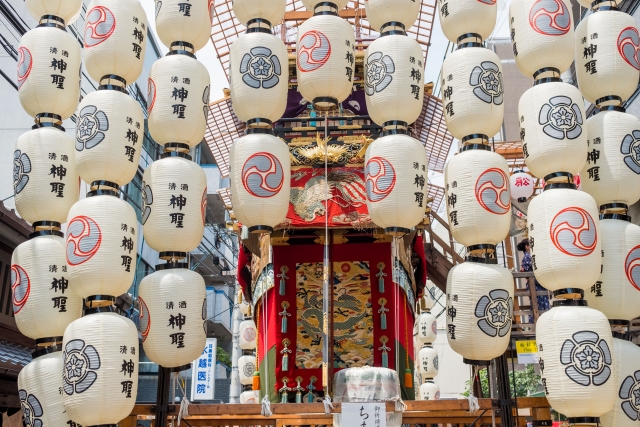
(442,412)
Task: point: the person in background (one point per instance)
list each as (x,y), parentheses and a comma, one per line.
(525,266)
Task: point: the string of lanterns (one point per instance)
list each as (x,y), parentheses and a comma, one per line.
(479,291)
(607,67)
(45,183)
(173,306)
(427,330)
(260,169)
(578,356)
(395,163)
(100,350)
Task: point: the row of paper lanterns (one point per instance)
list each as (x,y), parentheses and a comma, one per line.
(568,243)
(100,354)
(479,291)
(326,50)
(426,329)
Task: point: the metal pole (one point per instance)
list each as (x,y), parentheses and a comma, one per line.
(236,352)
(162,399)
(504,391)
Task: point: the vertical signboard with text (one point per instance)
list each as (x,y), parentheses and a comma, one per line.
(203,373)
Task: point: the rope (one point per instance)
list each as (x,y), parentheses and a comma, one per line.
(395,284)
(184,404)
(327,404)
(266,346)
(473,401)
(406,333)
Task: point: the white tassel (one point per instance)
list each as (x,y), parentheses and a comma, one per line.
(184,409)
(327,404)
(266,407)
(400,406)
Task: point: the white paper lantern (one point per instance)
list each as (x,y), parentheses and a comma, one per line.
(552,128)
(478,196)
(394,79)
(607,64)
(574,350)
(522,185)
(617,292)
(109,137)
(178,100)
(259,74)
(271,10)
(395,177)
(260,180)
(626,374)
(101,254)
(458,17)
(325,59)
(100,375)
(541,35)
(172,320)
(49,82)
(429,391)
(311,4)
(178,21)
(43,302)
(68,10)
(39,385)
(250,397)
(246,368)
(427,326)
(479,310)
(173,211)
(472,91)
(563,234)
(380,12)
(428,362)
(45,179)
(612,171)
(247,335)
(115,34)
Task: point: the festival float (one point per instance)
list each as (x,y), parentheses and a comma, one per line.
(328,134)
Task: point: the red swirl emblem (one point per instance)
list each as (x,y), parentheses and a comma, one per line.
(489,2)
(629,45)
(262,175)
(632,267)
(249,334)
(99,26)
(151,94)
(83,240)
(550,17)
(573,232)
(25,61)
(492,191)
(314,50)
(21,287)
(380,178)
(145,319)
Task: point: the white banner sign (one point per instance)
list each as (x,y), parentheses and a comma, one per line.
(364,415)
(203,372)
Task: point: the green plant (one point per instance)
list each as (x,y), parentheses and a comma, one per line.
(526,382)
(223,357)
